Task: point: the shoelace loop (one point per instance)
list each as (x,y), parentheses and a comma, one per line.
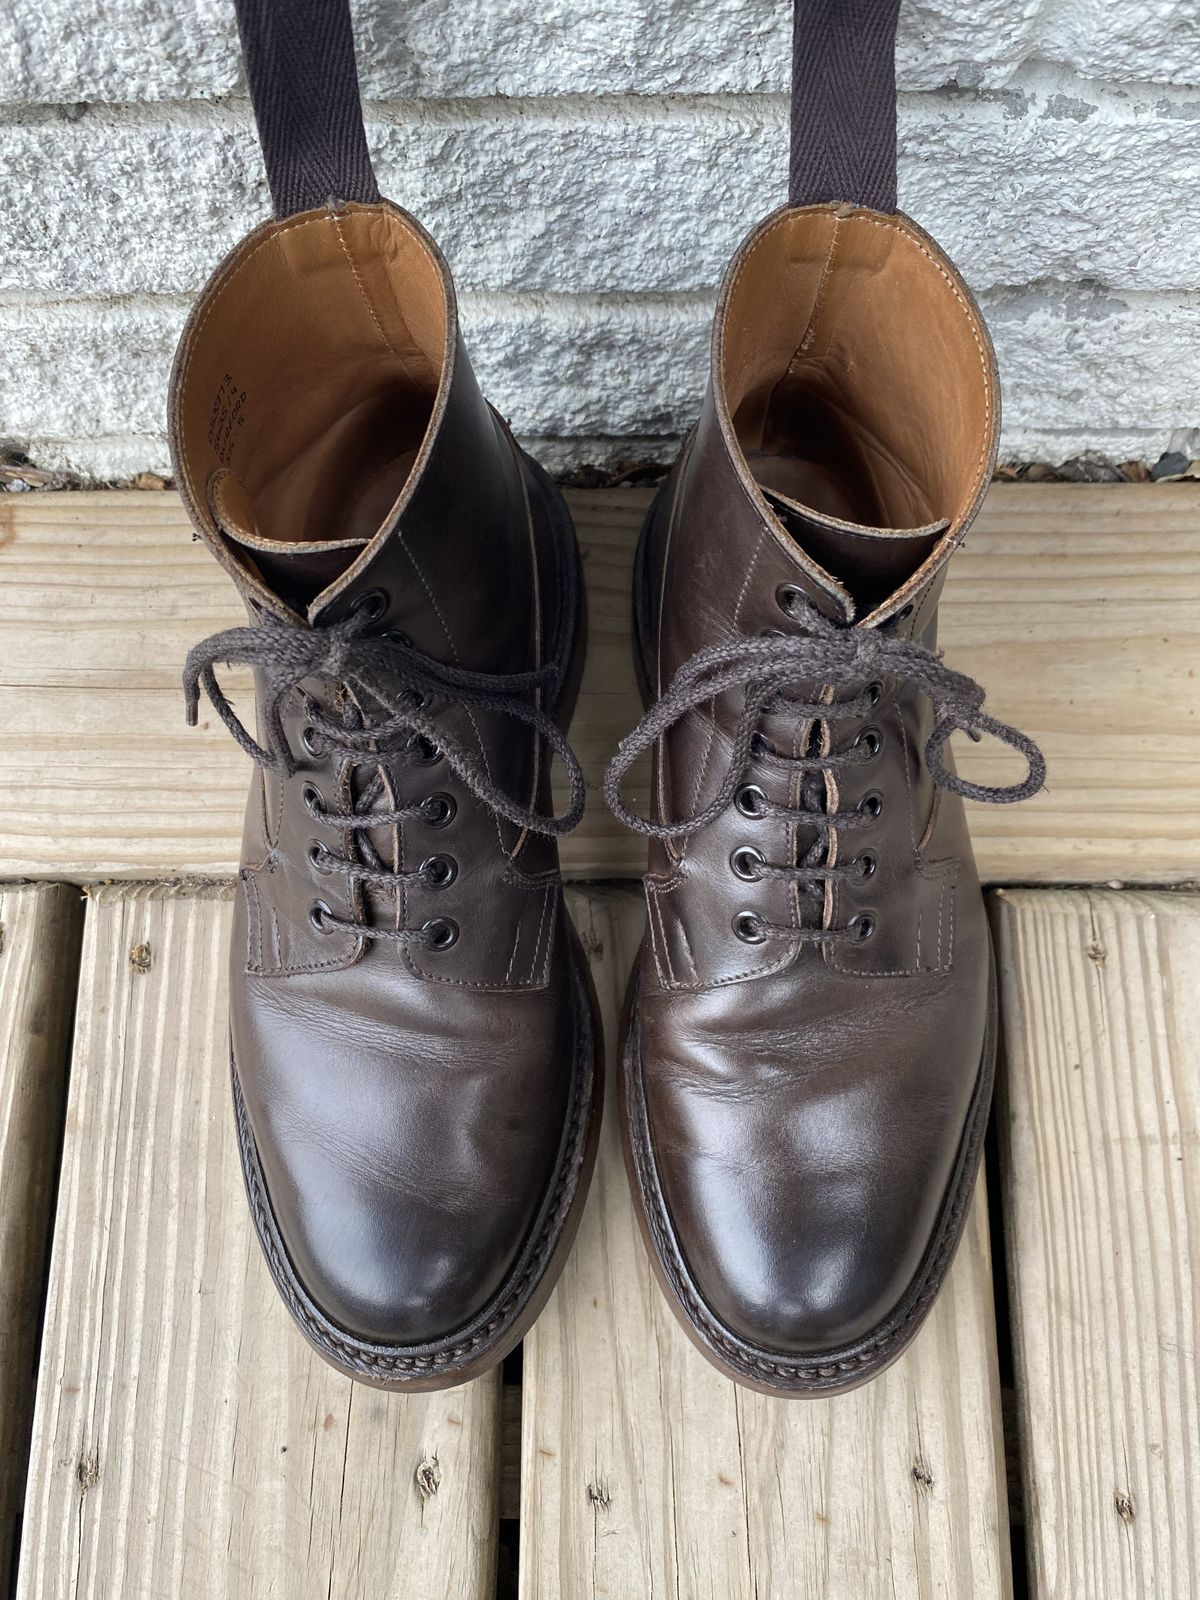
(384,715)
(827,653)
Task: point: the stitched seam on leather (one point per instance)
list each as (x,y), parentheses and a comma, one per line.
(941,912)
(682,926)
(445,627)
(537,943)
(677,881)
(934,1270)
(897,227)
(904,233)
(810,332)
(233,271)
(517,880)
(249,876)
(712,710)
(934,813)
(673,849)
(366,300)
(512,958)
(531,531)
(253,919)
(347,1351)
(813,572)
(931,873)
(949,889)
(658,938)
(672,524)
(552,893)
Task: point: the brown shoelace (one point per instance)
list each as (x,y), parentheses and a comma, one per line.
(850,660)
(387,715)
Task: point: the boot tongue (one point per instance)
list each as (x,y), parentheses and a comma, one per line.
(872,563)
(297,572)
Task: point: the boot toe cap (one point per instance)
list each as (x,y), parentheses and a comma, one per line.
(809,1292)
(402,1194)
(387,1282)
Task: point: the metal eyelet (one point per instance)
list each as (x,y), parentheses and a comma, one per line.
(422,750)
(313,799)
(317,912)
(870,740)
(439,871)
(866,863)
(875,693)
(751,801)
(871,805)
(748,927)
(437,811)
(440,933)
(308,738)
(788,595)
(746,861)
(317,856)
(396,636)
(374,603)
(760,746)
(862,925)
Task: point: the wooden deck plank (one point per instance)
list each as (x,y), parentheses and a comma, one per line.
(645,1472)
(186,1441)
(1101,1156)
(1074,604)
(40,926)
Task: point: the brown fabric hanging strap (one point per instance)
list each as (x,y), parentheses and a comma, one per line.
(844,103)
(304,88)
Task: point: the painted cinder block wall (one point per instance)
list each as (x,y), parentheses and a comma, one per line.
(588,166)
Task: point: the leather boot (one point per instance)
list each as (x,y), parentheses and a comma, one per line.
(416,1056)
(810,1035)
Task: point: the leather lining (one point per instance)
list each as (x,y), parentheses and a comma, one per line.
(856,371)
(312,374)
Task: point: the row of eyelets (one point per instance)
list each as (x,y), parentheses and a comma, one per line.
(752,802)
(437,810)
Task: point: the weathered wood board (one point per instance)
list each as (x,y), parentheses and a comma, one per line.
(186,1441)
(40,926)
(646,1472)
(1100,1139)
(1077,606)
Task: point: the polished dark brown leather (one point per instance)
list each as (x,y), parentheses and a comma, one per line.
(416,1064)
(809,1039)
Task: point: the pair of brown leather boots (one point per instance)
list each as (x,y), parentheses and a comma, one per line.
(809,1038)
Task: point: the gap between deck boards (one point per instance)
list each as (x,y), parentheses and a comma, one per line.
(186,1441)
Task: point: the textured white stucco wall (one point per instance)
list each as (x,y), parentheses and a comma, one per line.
(588,167)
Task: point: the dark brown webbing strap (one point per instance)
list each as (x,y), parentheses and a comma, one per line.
(304,87)
(844,103)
